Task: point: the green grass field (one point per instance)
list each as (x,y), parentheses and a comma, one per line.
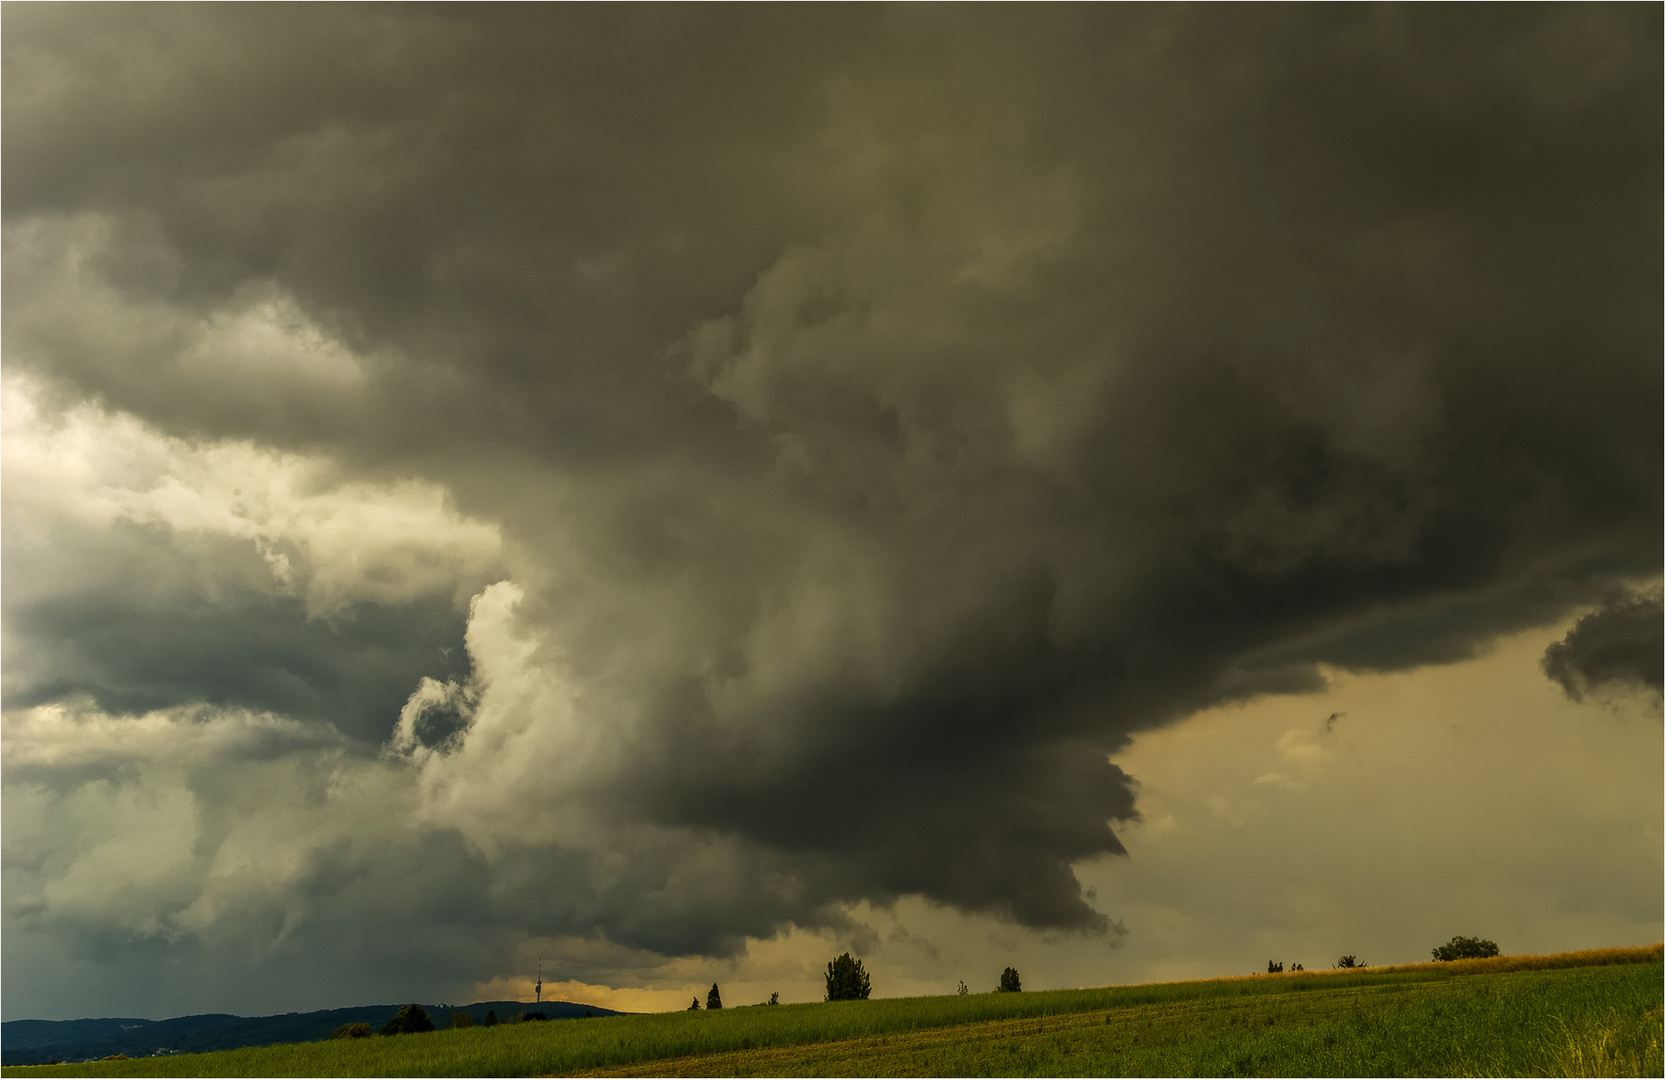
(1574,1014)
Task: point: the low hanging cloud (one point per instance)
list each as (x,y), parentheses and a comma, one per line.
(1618,646)
(151,571)
(690,474)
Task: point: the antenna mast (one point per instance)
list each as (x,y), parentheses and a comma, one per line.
(538,987)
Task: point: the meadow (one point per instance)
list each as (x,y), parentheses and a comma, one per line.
(1579,1014)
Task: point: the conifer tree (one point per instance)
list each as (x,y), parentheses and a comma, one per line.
(846,980)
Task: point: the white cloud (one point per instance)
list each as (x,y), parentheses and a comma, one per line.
(330,540)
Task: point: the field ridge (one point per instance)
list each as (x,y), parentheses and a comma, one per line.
(1507,1015)
(822,1055)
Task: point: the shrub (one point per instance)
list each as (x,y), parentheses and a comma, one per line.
(410,1019)
(1009,982)
(527,1017)
(714,1000)
(846,980)
(462,1019)
(1467,948)
(775,997)
(1349,962)
(352,1031)
(694,1006)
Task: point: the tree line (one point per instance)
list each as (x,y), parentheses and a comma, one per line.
(1459,948)
(847,980)
(414,1019)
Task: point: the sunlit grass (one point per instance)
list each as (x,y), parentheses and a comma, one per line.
(1617,1044)
(1556,1022)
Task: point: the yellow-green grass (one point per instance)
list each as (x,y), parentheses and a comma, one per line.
(1595,1013)
(1547,1023)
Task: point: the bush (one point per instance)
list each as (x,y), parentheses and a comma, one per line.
(462,1019)
(714,1000)
(528,1017)
(694,1006)
(352,1031)
(1009,982)
(1467,948)
(846,980)
(410,1020)
(1349,962)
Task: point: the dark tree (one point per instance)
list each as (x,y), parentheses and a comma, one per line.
(1467,948)
(411,1019)
(694,1006)
(527,1017)
(714,1000)
(1349,962)
(491,1018)
(1009,982)
(846,980)
(462,1019)
(775,998)
(1275,966)
(352,1031)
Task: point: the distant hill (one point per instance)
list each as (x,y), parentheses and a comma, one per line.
(36,1042)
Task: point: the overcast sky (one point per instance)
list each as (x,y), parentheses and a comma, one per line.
(674,493)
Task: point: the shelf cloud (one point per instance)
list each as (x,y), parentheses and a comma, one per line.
(667,477)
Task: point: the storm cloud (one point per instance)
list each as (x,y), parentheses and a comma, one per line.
(1619,644)
(697,470)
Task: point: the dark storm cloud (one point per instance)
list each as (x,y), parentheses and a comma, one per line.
(137,620)
(1620,644)
(893,409)
(492,194)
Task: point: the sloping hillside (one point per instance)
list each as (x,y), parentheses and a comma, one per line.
(36,1042)
(1595,1013)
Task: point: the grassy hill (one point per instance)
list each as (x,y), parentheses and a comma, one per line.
(33,1042)
(1593,1013)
